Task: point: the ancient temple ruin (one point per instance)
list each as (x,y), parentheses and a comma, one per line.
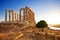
(11,15)
(25,14)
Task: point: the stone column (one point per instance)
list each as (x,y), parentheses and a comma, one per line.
(20,15)
(26,12)
(23,14)
(13,16)
(6,15)
(9,16)
(17,17)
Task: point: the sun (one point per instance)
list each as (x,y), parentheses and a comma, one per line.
(53,18)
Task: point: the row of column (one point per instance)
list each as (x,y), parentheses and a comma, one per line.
(23,14)
(10,15)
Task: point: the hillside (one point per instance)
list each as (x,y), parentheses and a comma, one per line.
(25,31)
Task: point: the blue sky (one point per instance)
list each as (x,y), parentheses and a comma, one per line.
(43,9)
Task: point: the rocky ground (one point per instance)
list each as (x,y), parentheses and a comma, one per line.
(18,31)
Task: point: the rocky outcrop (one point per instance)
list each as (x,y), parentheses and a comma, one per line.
(26,31)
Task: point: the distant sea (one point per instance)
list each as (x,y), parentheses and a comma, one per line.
(54,28)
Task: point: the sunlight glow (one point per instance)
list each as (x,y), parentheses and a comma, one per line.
(53,18)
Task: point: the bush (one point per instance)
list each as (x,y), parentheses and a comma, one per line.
(42,24)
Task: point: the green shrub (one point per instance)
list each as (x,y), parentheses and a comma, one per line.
(42,24)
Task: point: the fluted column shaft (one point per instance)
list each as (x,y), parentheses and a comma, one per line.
(23,14)
(17,17)
(26,13)
(12,15)
(9,16)
(20,15)
(5,15)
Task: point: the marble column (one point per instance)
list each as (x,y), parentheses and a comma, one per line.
(17,17)
(26,13)
(6,15)
(20,15)
(23,14)
(9,16)
(13,15)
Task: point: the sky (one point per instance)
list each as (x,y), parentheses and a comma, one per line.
(48,10)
